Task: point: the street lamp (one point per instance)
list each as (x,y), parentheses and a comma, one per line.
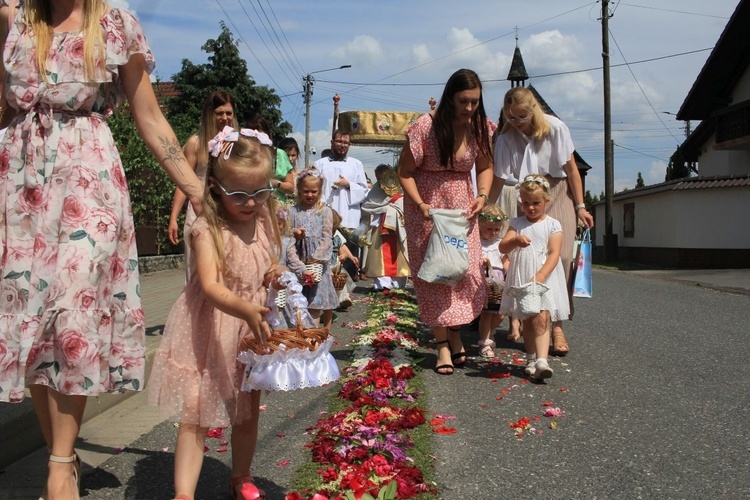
(309,81)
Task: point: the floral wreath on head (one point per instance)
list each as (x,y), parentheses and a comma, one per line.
(536,179)
(225,139)
(493,218)
(281,213)
(310,172)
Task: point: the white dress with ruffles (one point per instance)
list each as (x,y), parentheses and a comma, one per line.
(525,262)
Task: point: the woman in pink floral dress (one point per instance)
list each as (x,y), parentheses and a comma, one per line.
(71,323)
(435,171)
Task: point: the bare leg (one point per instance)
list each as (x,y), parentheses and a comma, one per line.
(244,442)
(41,408)
(529,337)
(315,314)
(458,353)
(65,415)
(188,458)
(326,318)
(560,344)
(443,349)
(488,323)
(514,335)
(540,328)
(485,327)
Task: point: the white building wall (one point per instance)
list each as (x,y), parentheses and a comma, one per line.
(701,218)
(713,162)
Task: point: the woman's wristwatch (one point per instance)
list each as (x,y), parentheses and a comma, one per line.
(486,198)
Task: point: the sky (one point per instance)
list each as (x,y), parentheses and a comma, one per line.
(401,54)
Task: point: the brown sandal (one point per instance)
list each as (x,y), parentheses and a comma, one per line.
(559,344)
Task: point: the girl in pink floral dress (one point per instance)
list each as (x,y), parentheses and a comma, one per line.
(236,243)
(435,171)
(71,323)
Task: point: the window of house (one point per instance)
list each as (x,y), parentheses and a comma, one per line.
(628,223)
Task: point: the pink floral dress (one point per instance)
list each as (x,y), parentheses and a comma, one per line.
(196,377)
(70,316)
(443,187)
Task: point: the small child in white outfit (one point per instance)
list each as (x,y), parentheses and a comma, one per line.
(495,264)
(533,244)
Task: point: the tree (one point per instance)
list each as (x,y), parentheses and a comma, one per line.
(639,181)
(677,168)
(589,200)
(150,188)
(225,70)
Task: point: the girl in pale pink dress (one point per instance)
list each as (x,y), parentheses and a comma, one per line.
(218,112)
(71,322)
(441,149)
(236,244)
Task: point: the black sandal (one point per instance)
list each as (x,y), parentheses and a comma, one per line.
(443,367)
(457,355)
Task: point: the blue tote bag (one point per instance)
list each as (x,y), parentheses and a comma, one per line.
(582,283)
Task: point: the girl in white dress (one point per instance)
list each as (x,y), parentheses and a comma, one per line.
(533,244)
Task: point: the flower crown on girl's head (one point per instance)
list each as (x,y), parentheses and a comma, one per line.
(537,179)
(493,218)
(281,213)
(308,172)
(225,139)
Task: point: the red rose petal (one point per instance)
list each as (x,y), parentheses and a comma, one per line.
(444,430)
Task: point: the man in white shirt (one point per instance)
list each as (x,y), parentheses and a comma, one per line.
(345,185)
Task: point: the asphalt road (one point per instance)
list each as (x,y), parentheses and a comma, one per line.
(655,391)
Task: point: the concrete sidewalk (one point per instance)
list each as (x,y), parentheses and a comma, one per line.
(20,430)
(725,280)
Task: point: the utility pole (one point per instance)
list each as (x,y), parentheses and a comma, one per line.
(610,238)
(308,94)
(309,81)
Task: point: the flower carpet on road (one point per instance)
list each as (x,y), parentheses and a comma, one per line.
(366,449)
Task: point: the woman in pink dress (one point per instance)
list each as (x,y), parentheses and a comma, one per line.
(435,167)
(71,322)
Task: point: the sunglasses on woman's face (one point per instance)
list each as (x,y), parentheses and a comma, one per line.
(242,197)
(518,119)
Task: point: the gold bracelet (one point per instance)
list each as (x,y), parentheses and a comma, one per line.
(486,198)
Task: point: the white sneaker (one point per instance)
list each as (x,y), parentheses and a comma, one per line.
(530,367)
(542,369)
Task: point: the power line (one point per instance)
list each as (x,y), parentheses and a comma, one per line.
(479,44)
(239,34)
(285,56)
(674,11)
(299,64)
(639,152)
(640,87)
(546,75)
(273,56)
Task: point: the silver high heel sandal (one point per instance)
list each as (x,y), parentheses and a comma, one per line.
(73,459)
